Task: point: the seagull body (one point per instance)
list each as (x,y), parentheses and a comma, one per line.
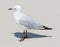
(26,22)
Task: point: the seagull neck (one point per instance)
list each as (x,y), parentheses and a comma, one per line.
(18,11)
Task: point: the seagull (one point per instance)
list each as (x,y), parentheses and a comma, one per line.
(25,21)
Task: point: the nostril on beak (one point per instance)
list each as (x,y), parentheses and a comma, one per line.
(10,9)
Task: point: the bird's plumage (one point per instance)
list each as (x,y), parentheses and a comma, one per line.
(26,21)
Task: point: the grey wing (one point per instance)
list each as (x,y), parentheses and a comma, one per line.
(30,24)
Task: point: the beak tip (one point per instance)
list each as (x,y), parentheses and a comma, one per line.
(10,9)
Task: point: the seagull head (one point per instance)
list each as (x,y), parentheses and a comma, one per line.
(16,8)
